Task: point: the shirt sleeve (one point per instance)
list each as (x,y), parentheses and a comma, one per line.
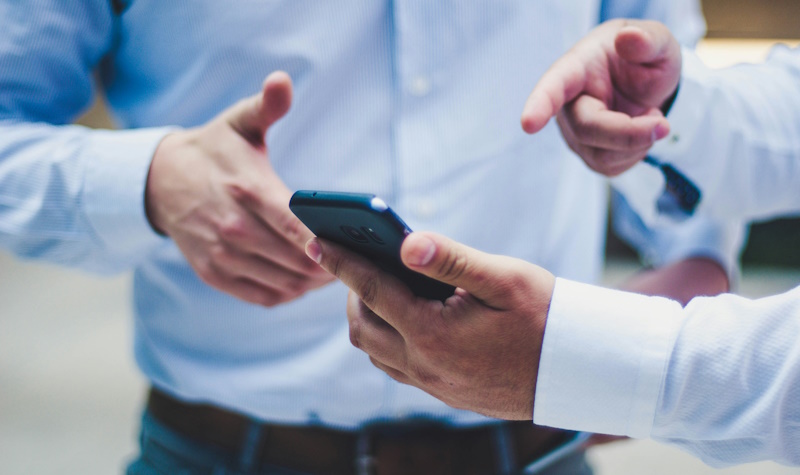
(735,135)
(665,242)
(68,194)
(719,378)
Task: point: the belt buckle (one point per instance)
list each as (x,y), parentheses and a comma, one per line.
(365,461)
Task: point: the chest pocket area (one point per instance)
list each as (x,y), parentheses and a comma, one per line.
(464,75)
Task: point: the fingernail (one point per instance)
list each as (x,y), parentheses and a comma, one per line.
(314,250)
(661,131)
(422,251)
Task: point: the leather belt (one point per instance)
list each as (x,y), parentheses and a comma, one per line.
(384,449)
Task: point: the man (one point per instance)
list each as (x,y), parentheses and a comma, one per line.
(244,344)
(719,378)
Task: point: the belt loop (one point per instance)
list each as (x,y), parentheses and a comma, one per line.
(506,460)
(247,457)
(365,462)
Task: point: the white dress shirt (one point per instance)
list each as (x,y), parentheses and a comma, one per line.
(721,377)
(416,101)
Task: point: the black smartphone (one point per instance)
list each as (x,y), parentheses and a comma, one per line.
(366,225)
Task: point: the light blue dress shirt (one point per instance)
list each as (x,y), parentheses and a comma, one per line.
(416,101)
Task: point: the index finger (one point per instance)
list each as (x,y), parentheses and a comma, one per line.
(272,209)
(560,84)
(381,292)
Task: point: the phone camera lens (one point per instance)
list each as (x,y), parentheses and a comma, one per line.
(371,233)
(355,234)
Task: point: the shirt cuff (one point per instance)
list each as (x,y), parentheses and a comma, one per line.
(604,358)
(117,166)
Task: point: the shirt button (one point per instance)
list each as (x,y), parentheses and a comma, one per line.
(419,86)
(426,209)
(675,139)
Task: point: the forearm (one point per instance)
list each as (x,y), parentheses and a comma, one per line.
(75,196)
(68,194)
(682,280)
(732,389)
(720,378)
(698,256)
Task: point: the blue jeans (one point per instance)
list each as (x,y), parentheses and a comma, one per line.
(165,452)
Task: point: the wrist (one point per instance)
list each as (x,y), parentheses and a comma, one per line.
(152,195)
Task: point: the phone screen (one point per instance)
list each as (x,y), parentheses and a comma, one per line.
(366,225)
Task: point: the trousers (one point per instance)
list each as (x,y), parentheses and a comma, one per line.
(166,452)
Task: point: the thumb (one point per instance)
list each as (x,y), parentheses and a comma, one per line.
(253,116)
(646,42)
(653,58)
(445,260)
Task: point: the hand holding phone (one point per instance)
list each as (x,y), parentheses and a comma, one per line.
(366,225)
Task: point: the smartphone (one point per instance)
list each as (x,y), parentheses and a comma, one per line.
(365,224)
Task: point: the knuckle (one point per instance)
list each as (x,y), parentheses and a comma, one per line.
(268,299)
(631,140)
(356,332)
(208,274)
(580,128)
(233,228)
(296,286)
(600,161)
(218,256)
(453,266)
(581,125)
(334,264)
(635,140)
(291,227)
(368,291)
(244,193)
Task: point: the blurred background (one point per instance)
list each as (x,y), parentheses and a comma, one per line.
(70,395)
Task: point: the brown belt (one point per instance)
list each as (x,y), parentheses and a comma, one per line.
(388,449)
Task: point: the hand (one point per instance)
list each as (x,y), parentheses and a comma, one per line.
(479,350)
(607,93)
(213,191)
(682,280)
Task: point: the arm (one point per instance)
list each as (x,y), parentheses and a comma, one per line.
(720,378)
(698,256)
(677,254)
(76,196)
(67,194)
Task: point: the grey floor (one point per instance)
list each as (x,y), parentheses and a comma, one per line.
(70,395)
